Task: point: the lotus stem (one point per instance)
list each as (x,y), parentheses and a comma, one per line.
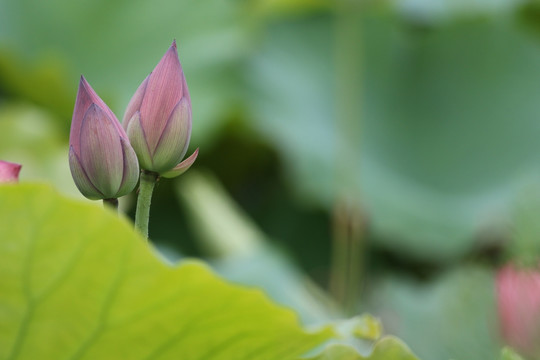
(146,187)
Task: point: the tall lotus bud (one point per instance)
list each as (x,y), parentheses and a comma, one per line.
(102,162)
(158,118)
(9,172)
(518,298)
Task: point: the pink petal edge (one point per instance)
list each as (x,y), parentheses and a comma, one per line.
(9,172)
(86,96)
(183,166)
(163,91)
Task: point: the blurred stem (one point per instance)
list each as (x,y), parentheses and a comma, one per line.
(347,259)
(111,203)
(347,247)
(146,187)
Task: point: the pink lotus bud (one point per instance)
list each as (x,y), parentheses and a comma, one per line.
(103,163)
(518,297)
(158,118)
(9,172)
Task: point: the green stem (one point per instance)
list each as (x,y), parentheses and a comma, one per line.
(347,259)
(111,203)
(146,187)
(349,238)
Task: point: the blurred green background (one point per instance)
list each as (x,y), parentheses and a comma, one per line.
(409,129)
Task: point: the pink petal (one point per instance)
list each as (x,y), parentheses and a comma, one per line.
(86,96)
(174,141)
(9,172)
(130,177)
(163,91)
(518,296)
(101,151)
(135,103)
(137,137)
(182,167)
(81,179)
(185,90)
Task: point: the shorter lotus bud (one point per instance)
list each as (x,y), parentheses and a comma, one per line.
(158,119)
(9,172)
(518,300)
(102,161)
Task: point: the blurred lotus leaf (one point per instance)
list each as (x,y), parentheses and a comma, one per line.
(388,348)
(242,253)
(45,46)
(448,138)
(32,137)
(509,354)
(435,11)
(452,316)
(368,327)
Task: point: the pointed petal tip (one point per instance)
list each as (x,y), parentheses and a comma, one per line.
(93,107)
(173,49)
(83,81)
(182,167)
(85,86)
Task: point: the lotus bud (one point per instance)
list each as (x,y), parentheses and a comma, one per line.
(102,161)
(518,300)
(158,118)
(9,172)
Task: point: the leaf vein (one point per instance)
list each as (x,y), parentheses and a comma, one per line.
(105,307)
